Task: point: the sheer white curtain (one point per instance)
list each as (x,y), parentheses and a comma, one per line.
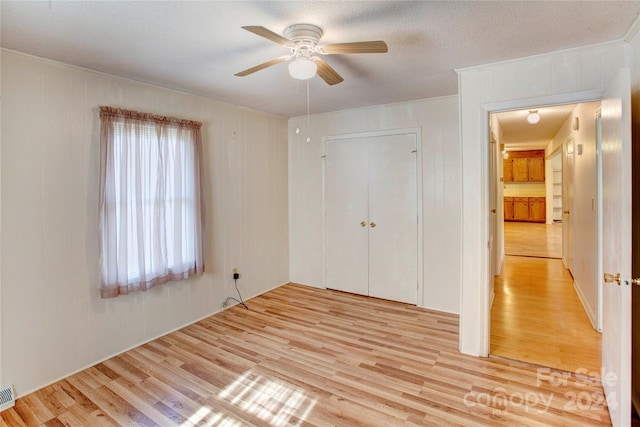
(151,200)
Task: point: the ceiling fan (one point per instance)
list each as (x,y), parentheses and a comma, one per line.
(303,41)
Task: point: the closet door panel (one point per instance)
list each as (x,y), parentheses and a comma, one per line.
(346,205)
(393,240)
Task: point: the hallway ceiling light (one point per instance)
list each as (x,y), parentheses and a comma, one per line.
(533,117)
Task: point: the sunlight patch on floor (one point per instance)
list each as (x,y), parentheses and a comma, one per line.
(271,399)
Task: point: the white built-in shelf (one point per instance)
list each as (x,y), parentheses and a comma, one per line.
(557,195)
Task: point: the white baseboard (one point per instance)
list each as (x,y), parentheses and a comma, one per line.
(215,309)
(590,314)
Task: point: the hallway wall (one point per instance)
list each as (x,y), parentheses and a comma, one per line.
(585,213)
(498,226)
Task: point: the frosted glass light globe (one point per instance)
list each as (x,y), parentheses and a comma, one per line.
(302,69)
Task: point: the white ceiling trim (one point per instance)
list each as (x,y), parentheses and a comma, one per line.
(541,55)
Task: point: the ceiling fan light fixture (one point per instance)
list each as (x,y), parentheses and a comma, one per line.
(533,117)
(303,42)
(302,69)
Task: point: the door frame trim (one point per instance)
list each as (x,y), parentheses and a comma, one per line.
(417,131)
(600,307)
(484,321)
(569,142)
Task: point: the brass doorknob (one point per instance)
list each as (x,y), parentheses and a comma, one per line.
(372,224)
(363,224)
(567,212)
(610,278)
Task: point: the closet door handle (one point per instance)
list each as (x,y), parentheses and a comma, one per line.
(363,224)
(373,224)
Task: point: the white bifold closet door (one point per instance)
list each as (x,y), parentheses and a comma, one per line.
(347,219)
(372,216)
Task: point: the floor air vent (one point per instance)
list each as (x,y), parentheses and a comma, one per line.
(7,400)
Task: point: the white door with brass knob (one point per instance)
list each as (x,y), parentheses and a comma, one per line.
(371,216)
(347,225)
(616,249)
(393,237)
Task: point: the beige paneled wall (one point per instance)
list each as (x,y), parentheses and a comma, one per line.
(441,190)
(557,77)
(53,320)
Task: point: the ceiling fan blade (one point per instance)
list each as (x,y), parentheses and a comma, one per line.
(269,35)
(356,47)
(326,73)
(262,66)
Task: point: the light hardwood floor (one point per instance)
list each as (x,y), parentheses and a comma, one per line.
(533,239)
(306,356)
(536,315)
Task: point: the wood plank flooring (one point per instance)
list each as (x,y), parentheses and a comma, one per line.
(532,239)
(536,315)
(312,357)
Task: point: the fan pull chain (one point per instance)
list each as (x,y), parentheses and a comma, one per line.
(298,104)
(308,119)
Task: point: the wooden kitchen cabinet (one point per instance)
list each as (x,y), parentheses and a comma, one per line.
(526,209)
(521,209)
(520,170)
(507,170)
(508,208)
(537,209)
(535,167)
(524,166)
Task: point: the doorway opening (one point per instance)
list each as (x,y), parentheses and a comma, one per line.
(545,302)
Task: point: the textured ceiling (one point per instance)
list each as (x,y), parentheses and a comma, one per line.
(197,46)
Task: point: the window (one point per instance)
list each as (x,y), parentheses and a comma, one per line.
(151,204)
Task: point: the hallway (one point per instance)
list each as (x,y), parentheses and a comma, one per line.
(533,239)
(536,315)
